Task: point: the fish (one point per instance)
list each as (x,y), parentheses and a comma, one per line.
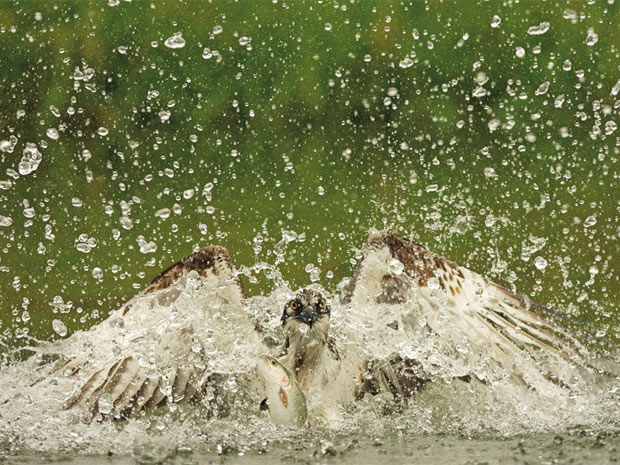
(285,402)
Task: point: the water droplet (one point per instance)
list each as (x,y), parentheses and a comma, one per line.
(163,213)
(313,271)
(83,247)
(540,263)
(489,221)
(479,92)
(31,159)
(206,53)
(114,2)
(105,403)
(496,21)
(591,38)
(569,14)
(59,328)
(164,115)
(481,78)
(589,221)
(175,41)
(539,30)
(405,63)
(396,267)
(102,131)
(97,273)
(321,190)
(217,29)
(52,133)
(610,127)
(543,88)
(146,247)
(76,202)
(490,172)
(5,221)
(432,188)
(494,124)
(433,284)
(243,41)
(126,222)
(520,52)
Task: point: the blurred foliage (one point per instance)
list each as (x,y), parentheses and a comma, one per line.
(322,118)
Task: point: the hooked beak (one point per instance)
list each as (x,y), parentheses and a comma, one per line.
(308,315)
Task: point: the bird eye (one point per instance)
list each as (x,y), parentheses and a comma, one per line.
(322,305)
(273,362)
(294,305)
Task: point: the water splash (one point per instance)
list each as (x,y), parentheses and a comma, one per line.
(224,340)
(175,41)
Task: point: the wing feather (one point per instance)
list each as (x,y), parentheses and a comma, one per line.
(94,383)
(156,397)
(145,393)
(125,402)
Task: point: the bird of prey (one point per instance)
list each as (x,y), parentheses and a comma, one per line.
(408,316)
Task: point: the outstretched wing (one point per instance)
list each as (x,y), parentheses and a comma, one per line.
(456,301)
(171,368)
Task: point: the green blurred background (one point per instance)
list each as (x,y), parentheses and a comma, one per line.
(466,125)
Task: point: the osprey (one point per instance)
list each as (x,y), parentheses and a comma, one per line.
(399,290)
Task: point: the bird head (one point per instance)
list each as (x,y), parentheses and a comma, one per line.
(306,322)
(308,308)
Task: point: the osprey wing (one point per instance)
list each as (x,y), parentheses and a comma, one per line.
(467,315)
(160,337)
